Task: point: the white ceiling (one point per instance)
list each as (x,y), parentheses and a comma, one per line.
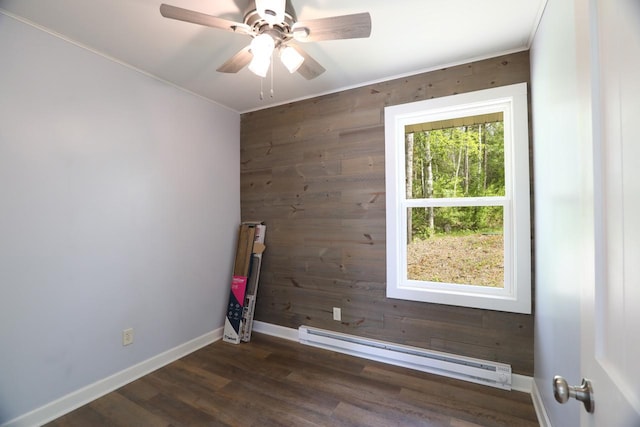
(407,37)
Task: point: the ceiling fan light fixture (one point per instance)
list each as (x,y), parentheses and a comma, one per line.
(261,48)
(291,59)
(271,11)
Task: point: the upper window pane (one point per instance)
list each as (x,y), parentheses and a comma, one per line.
(460,157)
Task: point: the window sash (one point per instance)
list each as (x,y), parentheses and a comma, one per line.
(454,202)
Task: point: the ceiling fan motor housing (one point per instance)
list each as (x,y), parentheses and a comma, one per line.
(260,25)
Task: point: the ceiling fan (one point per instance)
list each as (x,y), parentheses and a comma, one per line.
(274,28)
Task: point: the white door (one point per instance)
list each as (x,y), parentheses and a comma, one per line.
(610,349)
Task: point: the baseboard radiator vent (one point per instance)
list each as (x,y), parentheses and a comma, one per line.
(464,368)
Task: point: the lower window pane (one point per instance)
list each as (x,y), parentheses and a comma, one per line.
(461,245)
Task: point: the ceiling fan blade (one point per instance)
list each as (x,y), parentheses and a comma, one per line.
(310,68)
(353,26)
(237,62)
(194,17)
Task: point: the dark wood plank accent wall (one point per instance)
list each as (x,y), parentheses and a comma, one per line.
(314,172)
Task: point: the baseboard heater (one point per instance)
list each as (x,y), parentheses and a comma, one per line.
(464,368)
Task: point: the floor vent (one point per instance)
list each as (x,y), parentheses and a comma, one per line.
(464,368)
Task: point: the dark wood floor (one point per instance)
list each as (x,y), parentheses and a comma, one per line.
(271,381)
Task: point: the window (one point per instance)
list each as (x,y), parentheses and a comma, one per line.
(457,183)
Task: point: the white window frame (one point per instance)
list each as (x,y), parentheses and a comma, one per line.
(515,296)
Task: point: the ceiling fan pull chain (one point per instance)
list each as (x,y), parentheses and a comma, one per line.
(261,92)
(272,75)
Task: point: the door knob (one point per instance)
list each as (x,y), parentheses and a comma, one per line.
(584,392)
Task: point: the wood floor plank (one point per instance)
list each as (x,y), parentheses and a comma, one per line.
(269,404)
(377,397)
(124,412)
(477,395)
(356,416)
(82,417)
(275,382)
(499,416)
(292,397)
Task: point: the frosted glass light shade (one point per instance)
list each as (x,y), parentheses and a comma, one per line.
(261,48)
(262,45)
(291,59)
(260,66)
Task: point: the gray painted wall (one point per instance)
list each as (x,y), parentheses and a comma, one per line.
(119,201)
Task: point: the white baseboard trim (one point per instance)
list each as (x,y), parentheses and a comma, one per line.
(275,330)
(518,382)
(541,412)
(80,397)
(521,383)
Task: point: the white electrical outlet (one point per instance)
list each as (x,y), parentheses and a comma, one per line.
(337,314)
(127,336)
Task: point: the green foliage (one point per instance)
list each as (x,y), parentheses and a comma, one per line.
(469,219)
(465,161)
(421,228)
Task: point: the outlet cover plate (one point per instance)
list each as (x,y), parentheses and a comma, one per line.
(127,336)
